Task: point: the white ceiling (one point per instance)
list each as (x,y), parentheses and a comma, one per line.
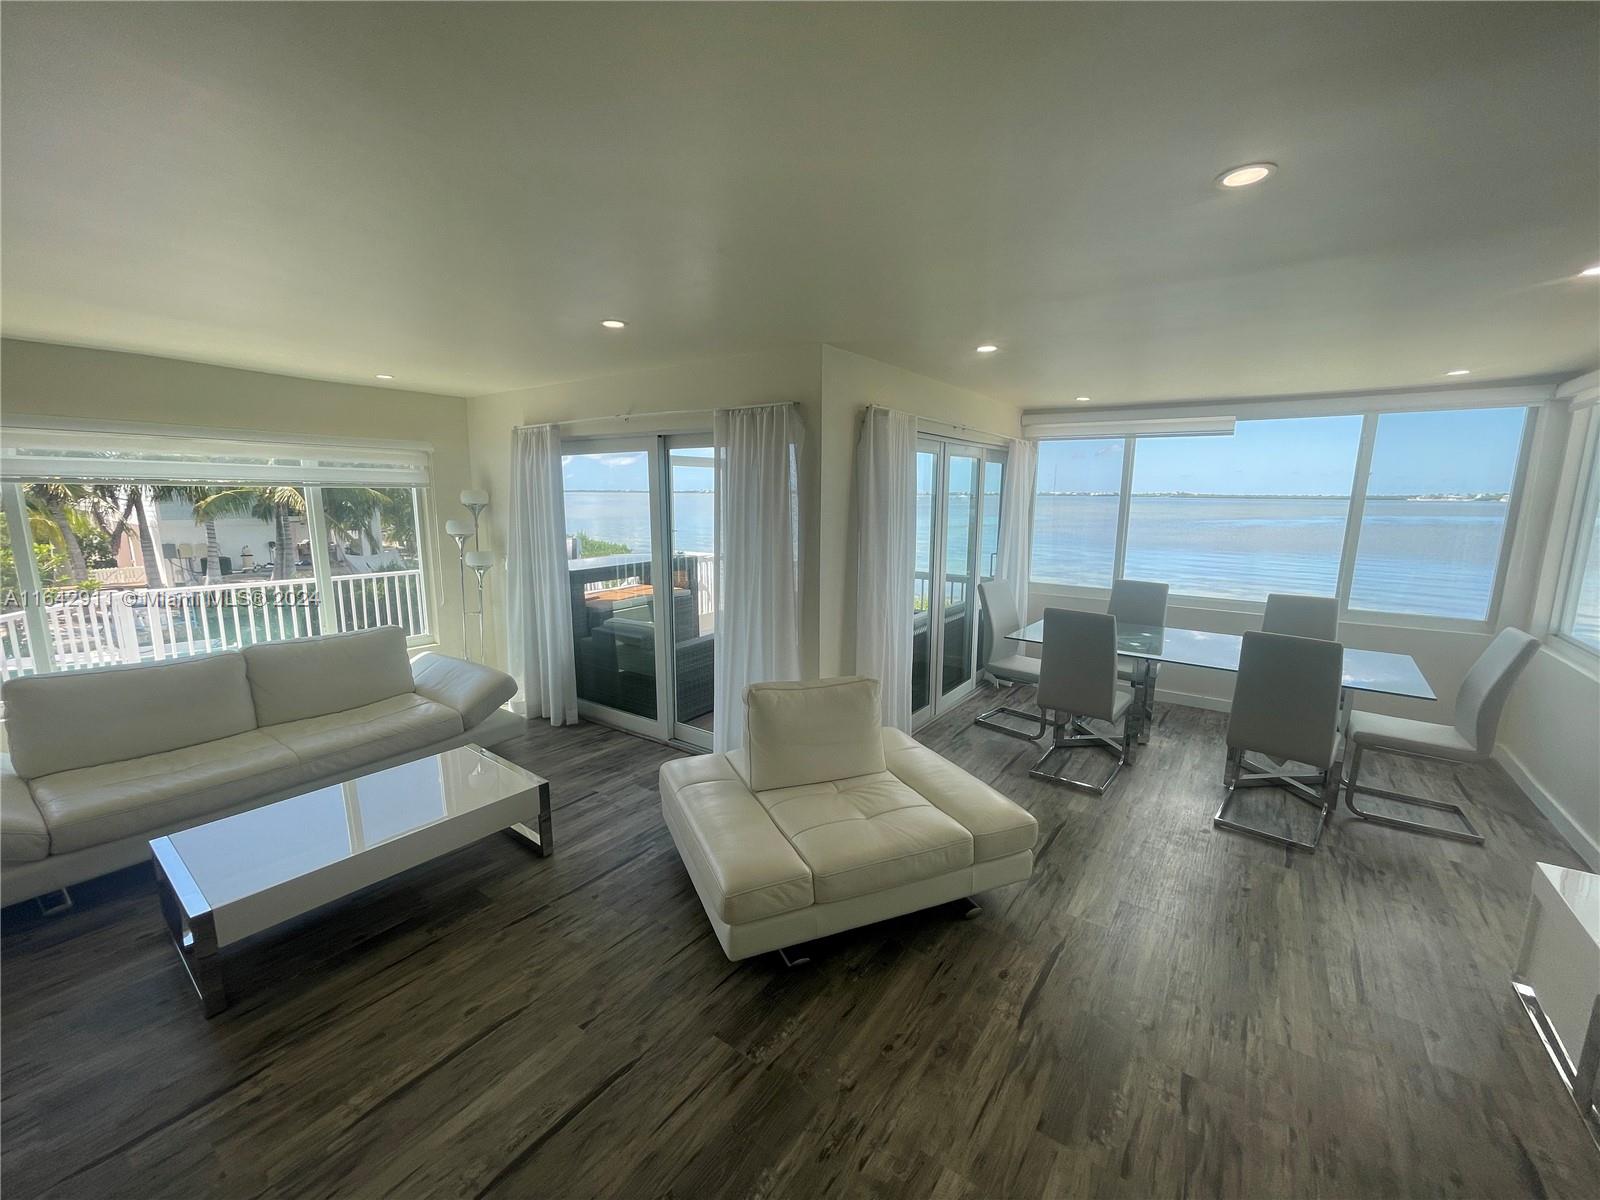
(457,194)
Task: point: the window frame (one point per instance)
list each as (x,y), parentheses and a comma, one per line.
(1360,477)
(13,498)
(1577,548)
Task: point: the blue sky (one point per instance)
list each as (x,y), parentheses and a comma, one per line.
(629,471)
(1472,451)
(1416,453)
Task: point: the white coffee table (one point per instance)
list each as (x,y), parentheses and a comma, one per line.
(1558,979)
(234,877)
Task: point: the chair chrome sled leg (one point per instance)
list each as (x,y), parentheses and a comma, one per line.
(987,720)
(1080,736)
(1324,798)
(1467,834)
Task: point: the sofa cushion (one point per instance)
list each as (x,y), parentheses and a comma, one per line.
(471,689)
(72,719)
(743,867)
(866,834)
(312,677)
(798,733)
(344,741)
(998,826)
(103,803)
(23,835)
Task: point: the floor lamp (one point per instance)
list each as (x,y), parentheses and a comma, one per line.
(461,531)
(474,500)
(479,561)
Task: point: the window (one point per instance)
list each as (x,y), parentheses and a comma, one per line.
(134,564)
(1075,510)
(994,470)
(1238,517)
(1268,508)
(1435,509)
(1579,616)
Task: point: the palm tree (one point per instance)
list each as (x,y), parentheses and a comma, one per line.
(54,499)
(155,572)
(358,514)
(273,502)
(195,494)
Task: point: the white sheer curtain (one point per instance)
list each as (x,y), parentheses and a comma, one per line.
(539,640)
(1015,561)
(758,576)
(886,537)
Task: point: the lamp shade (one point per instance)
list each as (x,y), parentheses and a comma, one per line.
(458,528)
(479,560)
(473,498)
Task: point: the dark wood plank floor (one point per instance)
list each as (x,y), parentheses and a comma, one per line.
(1162,1010)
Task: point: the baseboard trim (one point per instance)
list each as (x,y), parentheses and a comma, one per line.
(1585,846)
(1192,699)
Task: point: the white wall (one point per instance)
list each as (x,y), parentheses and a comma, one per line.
(1550,738)
(849,384)
(1550,745)
(41,380)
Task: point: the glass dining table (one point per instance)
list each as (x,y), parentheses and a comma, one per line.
(1378,671)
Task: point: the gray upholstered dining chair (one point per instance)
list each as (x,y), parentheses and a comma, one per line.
(1004,659)
(1139,602)
(1302,616)
(1078,684)
(1286,706)
(1470,739)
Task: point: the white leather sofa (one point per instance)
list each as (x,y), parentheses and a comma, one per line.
(825,821)
(102,761)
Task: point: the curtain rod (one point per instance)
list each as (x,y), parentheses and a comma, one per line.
(665,412)
(944,429)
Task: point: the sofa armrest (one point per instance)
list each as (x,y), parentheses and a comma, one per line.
(23,835)
(472,690)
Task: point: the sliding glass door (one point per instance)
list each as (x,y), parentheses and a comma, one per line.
(958,521)
(691,505)
(640,574)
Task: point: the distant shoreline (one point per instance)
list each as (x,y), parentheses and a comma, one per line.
(1427,497)
(1436,497)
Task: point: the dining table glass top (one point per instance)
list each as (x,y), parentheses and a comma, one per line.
(1379,671)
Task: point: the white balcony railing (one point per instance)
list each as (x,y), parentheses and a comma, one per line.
(382,598)
(128,625)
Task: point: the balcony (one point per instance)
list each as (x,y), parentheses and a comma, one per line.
(93,628)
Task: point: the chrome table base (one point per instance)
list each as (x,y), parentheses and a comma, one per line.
(1081,736)
(1243,772)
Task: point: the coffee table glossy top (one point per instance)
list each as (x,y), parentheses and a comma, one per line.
(345,828)
(1364,670)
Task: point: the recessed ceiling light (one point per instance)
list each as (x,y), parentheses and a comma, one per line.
(385,376)
(1459,371)
(1238,177)
(1083,399)
(987,348)
(1591,271)
(613,324)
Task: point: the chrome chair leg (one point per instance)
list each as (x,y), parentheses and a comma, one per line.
(1239,772)
(987,720)
(1467,834)
(1080,736)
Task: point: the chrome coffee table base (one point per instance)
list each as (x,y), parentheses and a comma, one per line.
(192,925)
